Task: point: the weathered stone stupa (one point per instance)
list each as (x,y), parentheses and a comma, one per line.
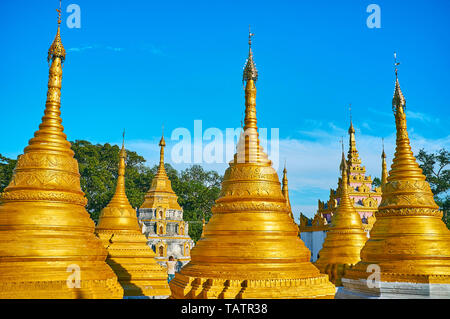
(128,253)
(47,244)
(409,245)
(345,238)
(250,247)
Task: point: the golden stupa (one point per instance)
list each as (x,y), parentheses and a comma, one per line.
(408,252)
(161,194)
(47,244)
(345,237)
(128,253)
(250,247)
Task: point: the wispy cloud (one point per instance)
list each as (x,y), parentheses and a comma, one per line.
(422,117)
(91,47)
(152,49)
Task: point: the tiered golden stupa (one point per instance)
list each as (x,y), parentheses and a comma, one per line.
(250,247)
(47,244)
(128,253)
(161,193)
(345,238)
(162,218)
(409,245)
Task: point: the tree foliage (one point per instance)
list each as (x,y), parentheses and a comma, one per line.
(435,166)
(376,182)
(98,169)
(6,171)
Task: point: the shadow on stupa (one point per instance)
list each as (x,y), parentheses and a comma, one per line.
(130,290)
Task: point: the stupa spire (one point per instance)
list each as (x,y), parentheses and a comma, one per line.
(409,241)
(162,145)
(346,236)
(120,198)
(284,188)
(353,156)
(250,247)
(384,172)
(249,148)
(45,226)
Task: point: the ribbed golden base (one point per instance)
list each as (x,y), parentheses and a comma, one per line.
(185,287)
(49,280)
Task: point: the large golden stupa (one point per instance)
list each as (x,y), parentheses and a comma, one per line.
(250,247)
(47,244)
(345,238)
(128,253)
(408,253)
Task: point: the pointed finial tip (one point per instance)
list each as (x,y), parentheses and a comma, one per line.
(56,49)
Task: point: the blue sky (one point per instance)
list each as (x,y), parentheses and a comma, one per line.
(140,64)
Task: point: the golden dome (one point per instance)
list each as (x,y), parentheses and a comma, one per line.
(345,237)
(128,253)
(250,247)
(46,230)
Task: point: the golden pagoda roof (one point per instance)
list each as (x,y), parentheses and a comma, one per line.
(46,230)
(345,238)
(409,240)
(161,193)
(250,247)
(128,253)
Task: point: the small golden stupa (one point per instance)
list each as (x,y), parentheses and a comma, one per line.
(47,244)
(250,247)
(128,253)
(161,193)
(408,252)
(345,238)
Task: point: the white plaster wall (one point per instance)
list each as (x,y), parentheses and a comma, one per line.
(313,241)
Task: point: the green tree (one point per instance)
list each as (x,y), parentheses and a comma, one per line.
(434,166)
(98,169)
(7,166)
(376,182)
(197,191)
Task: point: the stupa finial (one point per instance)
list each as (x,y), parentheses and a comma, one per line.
(398,101)
(57,48)
(351,129)
(250,71)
